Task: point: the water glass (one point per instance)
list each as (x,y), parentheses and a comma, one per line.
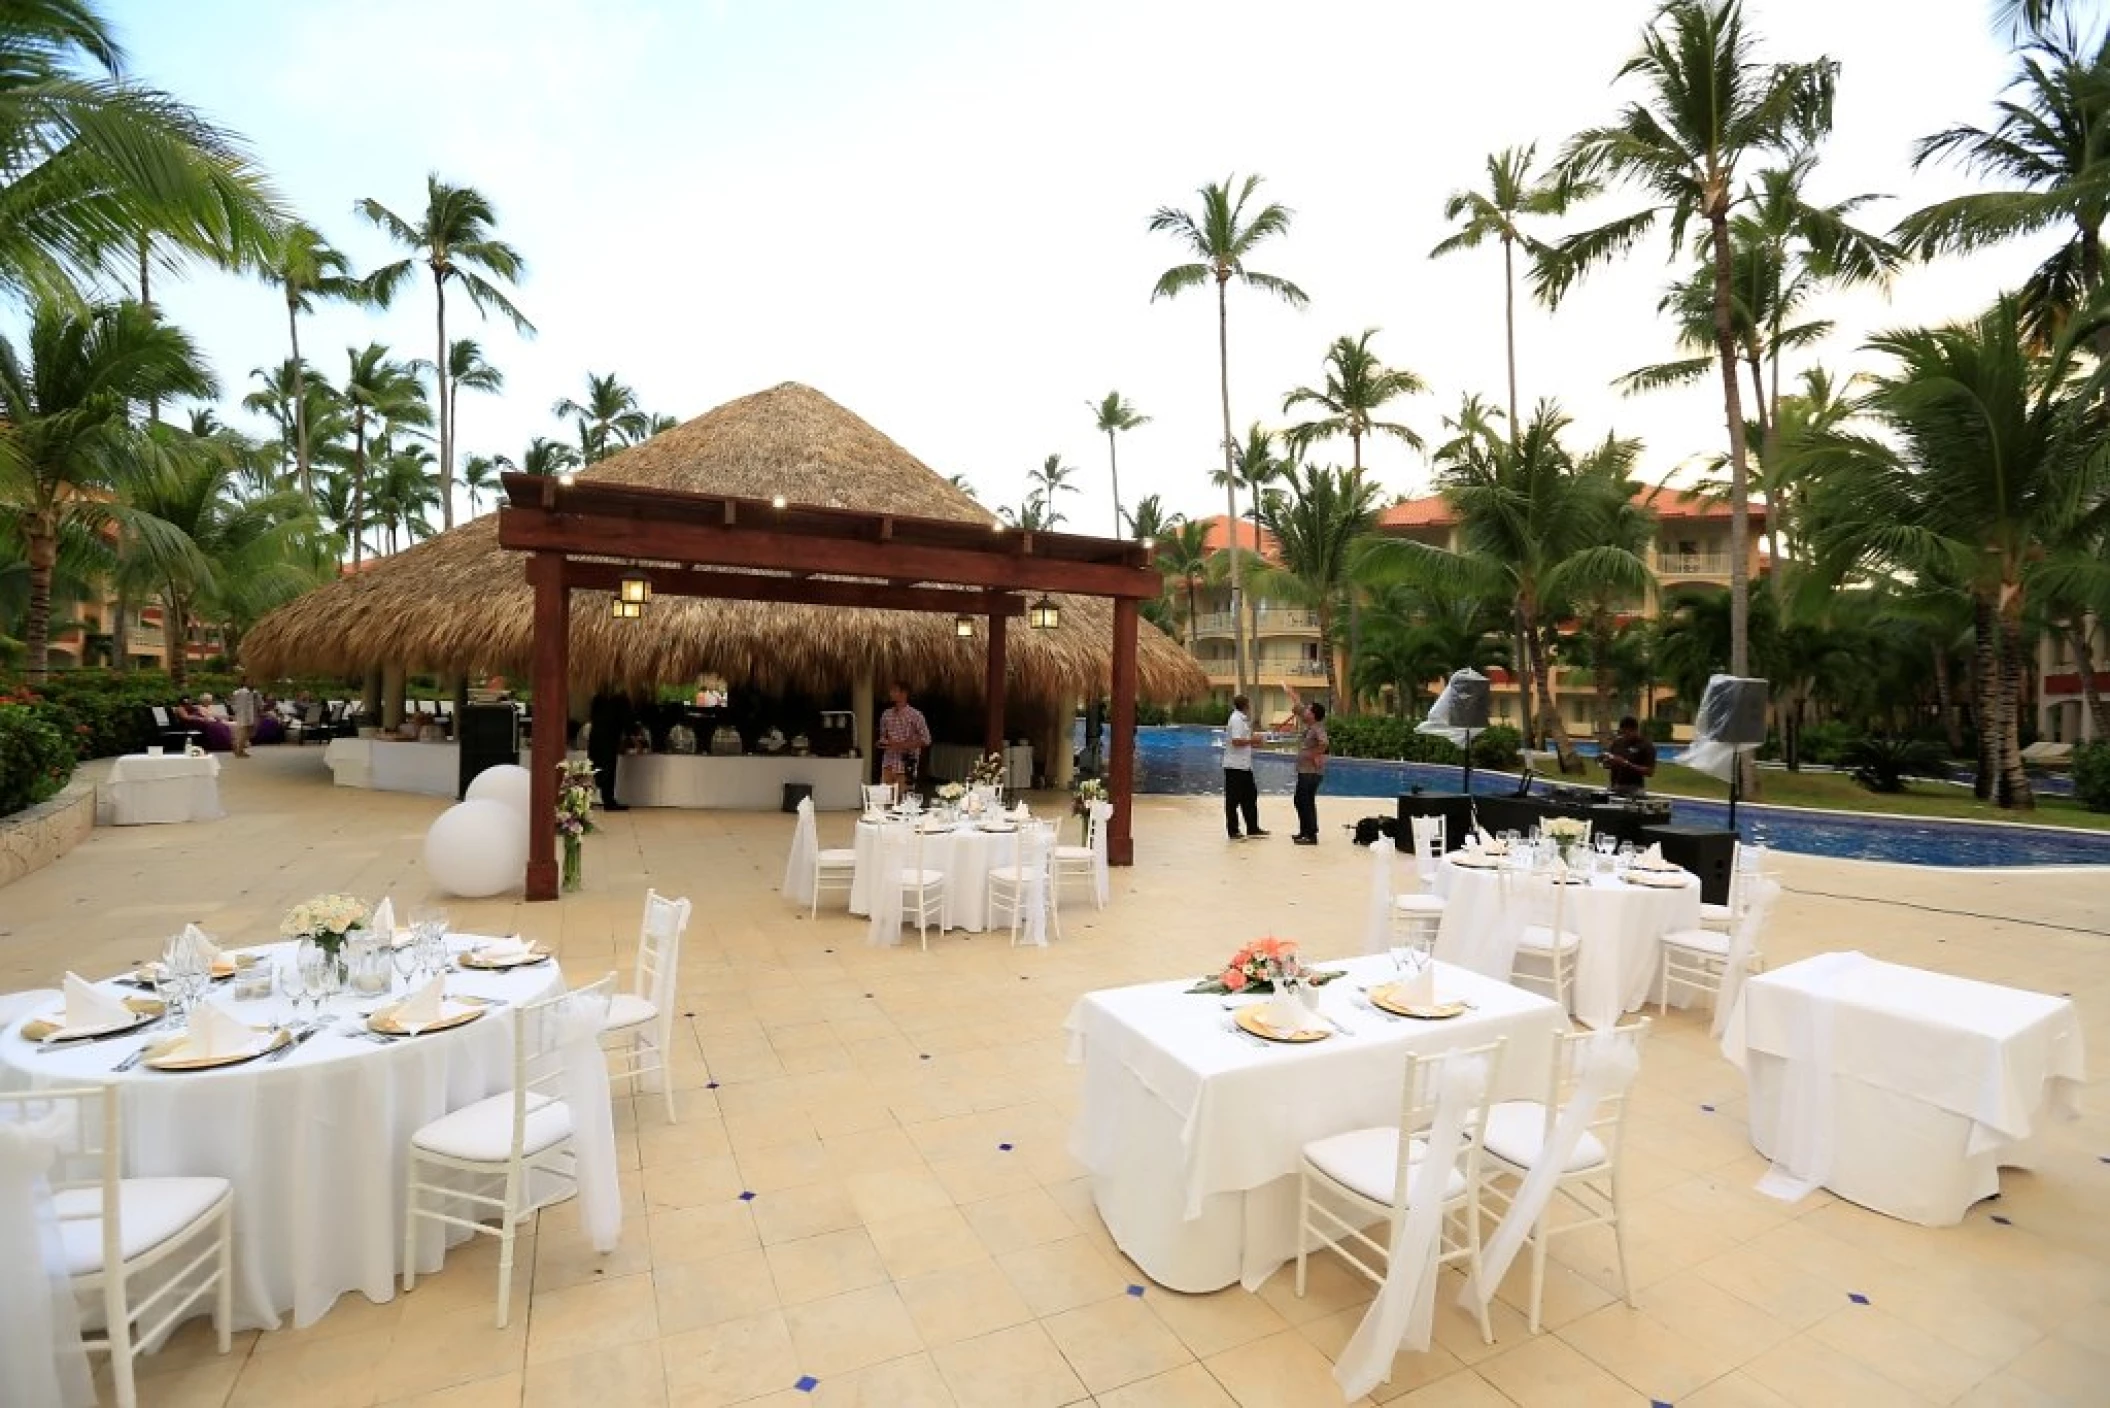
(293,982)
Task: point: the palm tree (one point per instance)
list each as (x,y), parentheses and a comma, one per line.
(1357,387)
(1220,239)
(304,266)
(607,419)
(1035,515)
(1536,528)
(380,392)
(68,450)
(273,399)
(1319,523)
(1512,192)
(960,482)
(1414,634)
(480,477)
(548,457)
(403,492)
(1147,522)
(96,166)
(1183,557)
(2050,152)
(1111,416)
(1043,484)
(1709,106)
(454,240)
(1990,470)
(466,369)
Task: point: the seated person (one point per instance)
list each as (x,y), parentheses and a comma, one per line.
(214,735)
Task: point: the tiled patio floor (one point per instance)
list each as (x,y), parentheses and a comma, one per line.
(897,1256)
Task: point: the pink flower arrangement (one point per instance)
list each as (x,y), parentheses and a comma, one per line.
(1260,965)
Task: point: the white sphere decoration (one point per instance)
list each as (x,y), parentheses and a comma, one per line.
(477,849)
(508,783)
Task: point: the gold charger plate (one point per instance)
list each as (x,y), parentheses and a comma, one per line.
(1483,861)
(525,960)
(1655,879)
(384,1021)
(279,1038)
(1249,1019)
(1387,997)
(1001,828)
(143,1009)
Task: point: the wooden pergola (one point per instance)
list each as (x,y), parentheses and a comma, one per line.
(589,536)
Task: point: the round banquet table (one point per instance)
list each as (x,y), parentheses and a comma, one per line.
(1620,925)
(965,853)
(312,1141)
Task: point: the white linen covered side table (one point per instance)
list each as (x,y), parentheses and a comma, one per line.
(1191,1131)
(144,789)
(313,1142)
(1914,1088)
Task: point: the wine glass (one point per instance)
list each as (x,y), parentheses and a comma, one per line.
(293,983)
(409,959)
(317,973)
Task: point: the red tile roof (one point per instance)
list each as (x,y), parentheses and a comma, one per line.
(1433,512)
(1219,536)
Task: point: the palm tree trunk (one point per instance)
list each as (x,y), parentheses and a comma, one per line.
(1535,651)
(1113,468)
(1769,467)
(439,367)
(300,408)
(1190,615)
(43,545)
(1509,327)
(1333,678)
(2084,662)
(1523,674)
(1601,678)
(146,301)
(358,489)
(1739,465)
(120,652)
(1945,703)
(175,635)
(2015,789)
(1223,367)
(1986,677)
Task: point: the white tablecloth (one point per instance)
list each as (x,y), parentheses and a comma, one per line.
(384,765)
(966,854)
(1935,1081)
(143,788)
(1619,924)
(313,1142)
(1192,1132)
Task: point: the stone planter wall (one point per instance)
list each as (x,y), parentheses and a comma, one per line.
(35,837)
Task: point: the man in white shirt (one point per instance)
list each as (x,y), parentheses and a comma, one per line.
(244,701)
(1241,793)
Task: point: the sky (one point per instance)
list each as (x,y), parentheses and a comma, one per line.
(936,212)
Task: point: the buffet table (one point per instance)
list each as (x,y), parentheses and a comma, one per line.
(145,788)
(1192,1130)
(1898,1089)
(747,784)
(385,765)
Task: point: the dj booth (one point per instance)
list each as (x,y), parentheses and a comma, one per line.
(1707,852)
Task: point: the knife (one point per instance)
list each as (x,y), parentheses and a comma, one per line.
(298,1037)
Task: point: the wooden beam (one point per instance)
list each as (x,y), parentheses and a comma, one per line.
(1121,762)
(552,678)
(993,690)
(748,586)
(536,530)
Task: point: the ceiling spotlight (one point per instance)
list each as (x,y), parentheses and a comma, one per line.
(567,478)
(1150,544)
(777,502)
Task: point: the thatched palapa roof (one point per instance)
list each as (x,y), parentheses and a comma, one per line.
(460,602)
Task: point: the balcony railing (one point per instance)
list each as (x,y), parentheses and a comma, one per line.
(1212,623)
(1692,564)
(139,638)
(1223,671)
(1276,619)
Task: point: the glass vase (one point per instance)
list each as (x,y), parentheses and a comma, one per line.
(574,864)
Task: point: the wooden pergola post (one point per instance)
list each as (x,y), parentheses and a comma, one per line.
(552,678)
(1121,760)
(993,689)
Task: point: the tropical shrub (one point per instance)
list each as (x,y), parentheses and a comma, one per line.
(35,758)
(1881,763)
(1827,744)
(1380,736)
(2091,775)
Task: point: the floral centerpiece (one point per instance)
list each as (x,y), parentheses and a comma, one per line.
(988,771)
(575,785)
(1260,965)
(951,792)
(326,919)
(1084,792)
(1566,833)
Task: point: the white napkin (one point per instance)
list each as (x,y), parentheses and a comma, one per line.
(201,944)
(1653,856)
(1481,835)
(1473,840)
(1021,812)
(503,950)
(422,1008)
(89,1007)
(1419,990)
(212,1032)
(383,920)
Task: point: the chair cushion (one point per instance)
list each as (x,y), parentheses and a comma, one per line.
(1711,942)
(1715,913)
(1075,853)
(835,857)
(1516,1132)
(1010,874)
(483,1132)
(1367,1162)
(1419,904)
(1539,939)
(627,1009)
(149,1212)
(921,879)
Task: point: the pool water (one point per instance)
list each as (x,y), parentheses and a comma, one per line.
(1186,760)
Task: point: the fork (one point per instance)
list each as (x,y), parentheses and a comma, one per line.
(1244,1035)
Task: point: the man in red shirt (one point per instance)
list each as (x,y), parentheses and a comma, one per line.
(903,735)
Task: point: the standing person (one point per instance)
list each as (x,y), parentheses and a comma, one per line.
(1311,764)
(244,702)
(1241,792)
(1630,759)
(903,735)
(609,717)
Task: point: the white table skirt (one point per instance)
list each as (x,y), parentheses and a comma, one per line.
(1620,926)
(429,769)
(735,784)
(966,855)
(1192,1134)
(143,789)
(313,1143)
(1936,1082)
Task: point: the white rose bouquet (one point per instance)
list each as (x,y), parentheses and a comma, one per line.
(325,919)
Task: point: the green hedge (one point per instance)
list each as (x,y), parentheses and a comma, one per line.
(105,714)
(36,758)
(1381,736)
(2091,775)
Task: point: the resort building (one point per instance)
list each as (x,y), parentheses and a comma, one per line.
(2062,703)
(1282,641)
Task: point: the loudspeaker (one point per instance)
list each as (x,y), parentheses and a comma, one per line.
(1469,699)
(1742,703)
(1703,850)
(486,735)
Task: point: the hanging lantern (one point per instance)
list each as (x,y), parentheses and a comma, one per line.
(635,589)
(963,627)
(1044,615)
(626,610)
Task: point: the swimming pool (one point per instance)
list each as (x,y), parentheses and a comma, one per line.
(1184,760)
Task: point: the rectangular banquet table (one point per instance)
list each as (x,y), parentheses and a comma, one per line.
(1192,1133)
(1909,1089)
(145,788)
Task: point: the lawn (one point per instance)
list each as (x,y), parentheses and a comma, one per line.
(1831,791)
